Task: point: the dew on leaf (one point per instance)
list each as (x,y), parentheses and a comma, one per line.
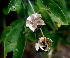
(49,8)
(14,7)
(61,10)
(16,49)
(23,32)
(41,1)
(59,18)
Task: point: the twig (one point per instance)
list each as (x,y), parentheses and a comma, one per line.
(31,6)
(50,53)
(34,12)
(42,32)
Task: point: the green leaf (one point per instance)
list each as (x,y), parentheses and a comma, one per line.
(15,41)
(5,33)
(13,24)
(53,10)
(5,11)
(35,7)
(14,5)
(62,4)
(47,32)
(8,29)
(46,18)
(30,35)
(21,11)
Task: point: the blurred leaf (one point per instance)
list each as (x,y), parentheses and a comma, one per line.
(53,10)
(30,35)
(30,11)
(5,11)
(14,5)
(68,15)
(15,41)
(64,41)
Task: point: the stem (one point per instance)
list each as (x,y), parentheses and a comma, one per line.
(34,13)
(42,32)
(31,6)
(50,53)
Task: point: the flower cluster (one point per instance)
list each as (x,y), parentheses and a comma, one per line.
(44,44)
(33,21)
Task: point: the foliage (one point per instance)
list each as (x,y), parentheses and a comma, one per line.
(53,14)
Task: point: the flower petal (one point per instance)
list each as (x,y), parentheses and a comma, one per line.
(27,23)
(29,18)
(33,21)
(37,46)
(32,27)
(37,16)
(40,22)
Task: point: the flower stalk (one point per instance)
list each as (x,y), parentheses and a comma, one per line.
(31,6)
(34,13)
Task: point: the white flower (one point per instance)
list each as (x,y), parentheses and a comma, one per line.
(37,46)
(33,21)
(44,44)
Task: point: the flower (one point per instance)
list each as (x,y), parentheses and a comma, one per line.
(44,44)
(34,20)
